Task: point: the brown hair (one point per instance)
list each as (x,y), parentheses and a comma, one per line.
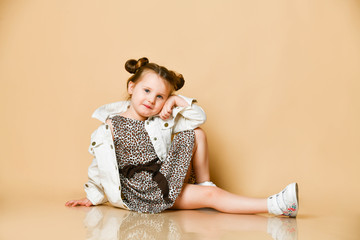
(138,67)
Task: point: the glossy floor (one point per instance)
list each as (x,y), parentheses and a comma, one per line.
(50,219)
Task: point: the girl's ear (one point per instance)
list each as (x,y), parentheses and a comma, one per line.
(130,89)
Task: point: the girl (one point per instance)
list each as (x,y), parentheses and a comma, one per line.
(147,146)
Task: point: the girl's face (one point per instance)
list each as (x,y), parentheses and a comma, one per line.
(148,96)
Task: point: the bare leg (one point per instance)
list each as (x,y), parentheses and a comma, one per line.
(194,197)
(200,160)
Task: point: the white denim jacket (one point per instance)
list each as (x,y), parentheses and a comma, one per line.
(104,180)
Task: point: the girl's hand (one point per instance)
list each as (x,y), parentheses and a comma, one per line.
(81,202)
(171,102)
(167,108)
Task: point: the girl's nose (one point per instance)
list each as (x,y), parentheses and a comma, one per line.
(151,99)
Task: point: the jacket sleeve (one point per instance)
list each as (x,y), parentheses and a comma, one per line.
(189,117)
(94,190)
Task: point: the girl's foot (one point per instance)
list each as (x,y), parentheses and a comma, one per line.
(286,202)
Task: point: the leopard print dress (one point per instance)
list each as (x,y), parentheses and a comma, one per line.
(142,175)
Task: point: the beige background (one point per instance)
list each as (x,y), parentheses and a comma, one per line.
(279,81)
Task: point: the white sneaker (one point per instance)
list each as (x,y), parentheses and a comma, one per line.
(207,183)
(286,202)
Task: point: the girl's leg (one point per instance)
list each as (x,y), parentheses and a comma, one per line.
(194,197)
(200,160)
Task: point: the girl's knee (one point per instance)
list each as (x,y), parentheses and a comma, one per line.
(200,134)
(211,193)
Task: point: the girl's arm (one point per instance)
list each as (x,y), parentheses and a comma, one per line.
(171,102)
(187,115)
(94,191)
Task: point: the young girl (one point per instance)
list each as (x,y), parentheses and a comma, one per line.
(147,147)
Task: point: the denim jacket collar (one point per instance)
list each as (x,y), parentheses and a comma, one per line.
(103,112)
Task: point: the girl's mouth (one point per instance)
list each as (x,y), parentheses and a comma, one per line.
(147,106)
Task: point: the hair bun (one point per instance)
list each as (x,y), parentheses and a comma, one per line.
(133,65)
(180,81)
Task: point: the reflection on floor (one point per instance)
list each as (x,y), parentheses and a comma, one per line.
(50,219)
(110,223)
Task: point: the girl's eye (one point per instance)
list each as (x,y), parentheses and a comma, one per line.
(159,96)
(147,90)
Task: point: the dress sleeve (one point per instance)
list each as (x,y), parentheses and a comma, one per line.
(189,117)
